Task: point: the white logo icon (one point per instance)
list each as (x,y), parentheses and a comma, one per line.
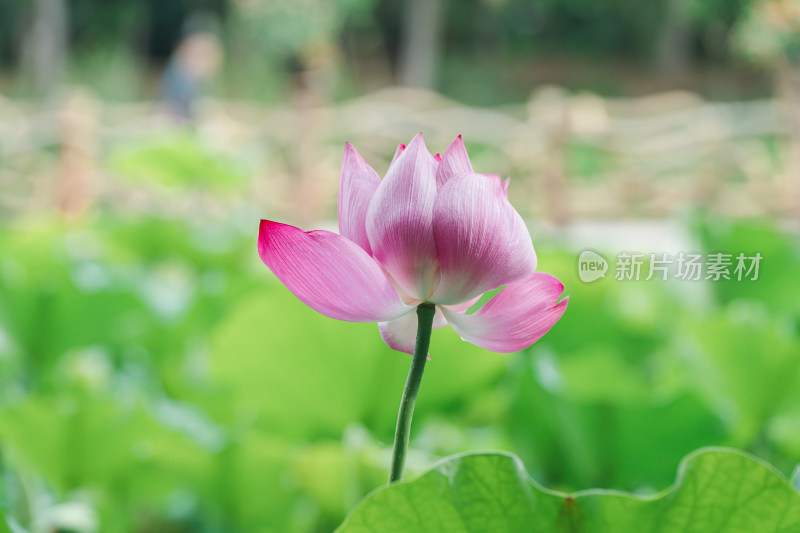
(591,266)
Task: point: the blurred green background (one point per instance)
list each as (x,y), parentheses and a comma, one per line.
(154,375)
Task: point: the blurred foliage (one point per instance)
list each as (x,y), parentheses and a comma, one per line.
(181,161)
(285,27)
(769,32)
(156,376)
(267,42)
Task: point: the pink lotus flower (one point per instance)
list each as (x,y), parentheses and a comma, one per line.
(431,231)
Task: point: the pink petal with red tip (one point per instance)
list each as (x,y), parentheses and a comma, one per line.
(482,241)
(400,148)
(400,221)
(516,317)
(357,186)
(329,273)
(454,162)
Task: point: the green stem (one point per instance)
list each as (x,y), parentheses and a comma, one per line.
(425,314)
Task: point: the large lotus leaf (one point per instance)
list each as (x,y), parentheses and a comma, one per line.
(717,490)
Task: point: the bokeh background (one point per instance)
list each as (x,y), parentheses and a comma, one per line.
(155,377)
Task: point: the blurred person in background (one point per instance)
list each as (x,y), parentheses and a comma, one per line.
(196,59)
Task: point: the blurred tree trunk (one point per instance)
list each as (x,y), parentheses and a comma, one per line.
(77,120)
(553,112)
(419,48)
(788,82)
(45,44)
(673,47)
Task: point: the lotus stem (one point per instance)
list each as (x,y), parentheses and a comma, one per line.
(425,314)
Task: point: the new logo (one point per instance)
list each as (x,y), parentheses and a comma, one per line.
(591,266)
